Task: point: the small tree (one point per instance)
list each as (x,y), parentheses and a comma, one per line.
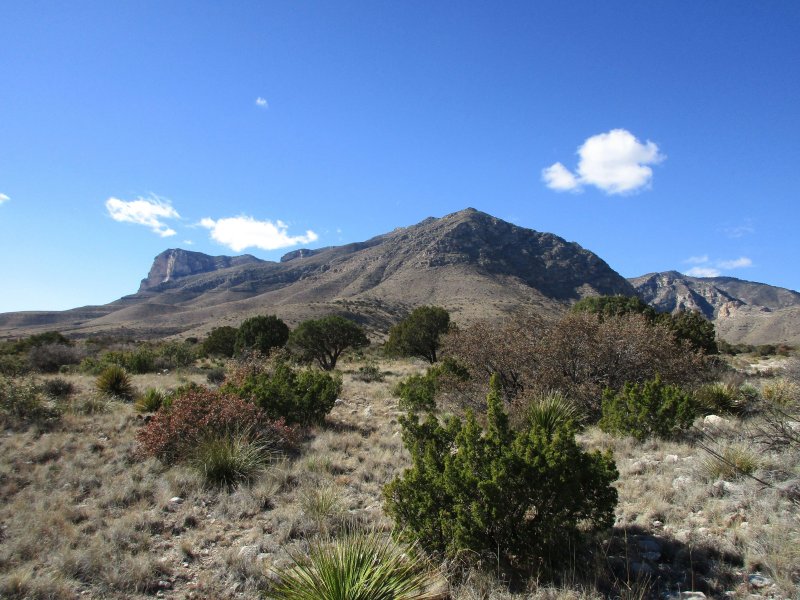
(221,341)
(261,333)
(694,329)
(419,334)
(324,340)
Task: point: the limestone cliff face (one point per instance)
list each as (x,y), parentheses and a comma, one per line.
(175,264)
(742,311)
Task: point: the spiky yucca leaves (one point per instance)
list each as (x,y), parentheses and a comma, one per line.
(552,410)
(115,381)
(357,566)
(151,400)
(226,459)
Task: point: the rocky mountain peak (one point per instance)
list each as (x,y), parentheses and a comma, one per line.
(177,263)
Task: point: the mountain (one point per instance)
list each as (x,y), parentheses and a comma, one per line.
(473,264)
(742,311)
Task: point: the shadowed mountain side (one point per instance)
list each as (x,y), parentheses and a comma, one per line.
(469,262)
(742,311)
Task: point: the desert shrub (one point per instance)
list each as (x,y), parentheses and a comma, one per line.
(357,565)
(719,398)
(141,360)
(115,381)
(22,404)
(523,498)
(729,462)
(369,373)
(419,334)
(151,400)
(418,392)
(58,387)
(301,396)
(652,409)
(579,355)
(13,365)
(194,416)
(262,334)
(221,341)
(216,376)
(225,459)
(323,340)
(49,358)
(173,355)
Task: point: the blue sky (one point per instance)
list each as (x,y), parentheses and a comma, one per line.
(660,135)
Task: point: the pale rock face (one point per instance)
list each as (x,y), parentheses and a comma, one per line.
(175,264)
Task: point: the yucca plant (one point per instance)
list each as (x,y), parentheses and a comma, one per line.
(226,459)
(552,410)
(356,566)
(151,400)
(115,381)
(730,462)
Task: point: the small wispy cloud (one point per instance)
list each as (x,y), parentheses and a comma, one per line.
(703,272)
(697,260)
(738,231)
(736,263)
(4,198)
(614,162)
(705,267)
(149,212)
(188,242)
(262,102)
(238,233)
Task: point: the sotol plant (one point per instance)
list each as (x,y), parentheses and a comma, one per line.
(115,381)
(357,566)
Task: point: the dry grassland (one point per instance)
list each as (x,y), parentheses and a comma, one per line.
(80,517)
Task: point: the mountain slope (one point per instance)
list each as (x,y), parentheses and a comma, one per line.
(469,262)
(742,311)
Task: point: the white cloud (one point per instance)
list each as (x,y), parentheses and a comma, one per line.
(262,102)
(739,230)
(614,162)
(238,233)
(144,211)
(557,177)
(4,198)
(697,260)
(188,242)
(703,272)
(707,268)
(736,263)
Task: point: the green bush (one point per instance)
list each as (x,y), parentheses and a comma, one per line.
(115,381)
(652,409)
(22,404)
(58,388)
(221,341)
(369,373)
(216,376)
(357,566)
(417,393)
(302,396)
(521,498)
(420,333)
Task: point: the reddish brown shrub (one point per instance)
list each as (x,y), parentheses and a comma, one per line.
(173,432)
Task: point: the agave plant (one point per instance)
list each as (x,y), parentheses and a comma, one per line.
(356,566)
